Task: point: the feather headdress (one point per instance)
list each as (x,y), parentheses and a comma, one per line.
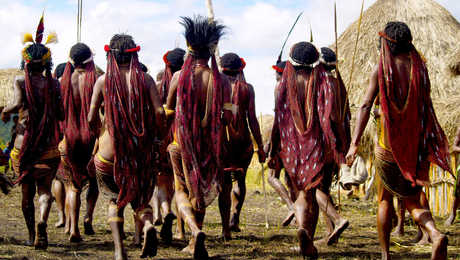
(28,38)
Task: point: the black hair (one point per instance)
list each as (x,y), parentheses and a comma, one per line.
(304,53)
(401,33)
(79,53)
(143,67)
(118,44)
(201,34)
(175,59)
(59,70)
(328,56)
(36,51)
(232,62)
(16,117)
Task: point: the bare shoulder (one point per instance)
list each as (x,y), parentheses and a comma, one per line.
(100,80)
(148,79)
(250,88)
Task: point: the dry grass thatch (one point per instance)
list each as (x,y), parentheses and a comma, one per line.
(436,35)
(6,85)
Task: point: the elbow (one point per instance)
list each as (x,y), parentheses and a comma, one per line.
(366,107)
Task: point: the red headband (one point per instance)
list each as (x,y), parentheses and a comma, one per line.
(386,37)
(136,49)
(165,59)
(278,69)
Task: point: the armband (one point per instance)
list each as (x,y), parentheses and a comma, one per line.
(168,111)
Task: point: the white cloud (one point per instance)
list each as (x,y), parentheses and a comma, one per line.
(256,29)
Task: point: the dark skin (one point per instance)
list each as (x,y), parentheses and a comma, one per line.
(106,150)
(39,82)
(72,193)
(242,130)
(419,212)
(186,211)
(453,213)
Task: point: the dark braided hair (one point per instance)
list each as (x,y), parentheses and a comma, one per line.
(79,53)
(401,33)
(36,52)
(231,63)
(304,53)
(118,44)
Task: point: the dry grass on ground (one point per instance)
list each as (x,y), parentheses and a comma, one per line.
(254,242)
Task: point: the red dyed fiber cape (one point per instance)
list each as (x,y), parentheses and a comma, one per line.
(130,121)
(414,133)
(42,127)
(306,126)
(78,137)
(201,146)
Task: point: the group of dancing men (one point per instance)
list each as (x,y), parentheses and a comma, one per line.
(188,136)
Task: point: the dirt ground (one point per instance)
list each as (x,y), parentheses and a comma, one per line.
(254,242)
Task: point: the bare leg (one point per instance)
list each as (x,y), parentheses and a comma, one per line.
(150,244)
(224,206)
(91,199)
(116,225)
(155,204)
(384,220)
(44,200)
(399,230)
(180,229)
(238,194)
(58,192)
(306,212)
(423,217)
(165,195)
(327,207)
(273,180)
(28,209)
(453,212)
(74,201)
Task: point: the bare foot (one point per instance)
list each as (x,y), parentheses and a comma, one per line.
(199,251)
(41,238)
(120,256)
(166,229)
(398,232)
(334,237)
(450,220)
(386,256)
(74,238)
(439,248)
(234,227)
(288,219)
(322,241)
(307,248)
(179,236)
(88,228)
(149,247)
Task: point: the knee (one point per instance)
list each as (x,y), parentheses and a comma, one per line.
(45,198)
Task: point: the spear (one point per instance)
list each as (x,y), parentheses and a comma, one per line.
(356,44)
(289,34)
(263,179)
(211,19)
(337,69)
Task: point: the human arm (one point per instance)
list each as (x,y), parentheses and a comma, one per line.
(96,102)
(363,117)
(170,108)
(60,102)
(158,107)
(17,101)
(456,145)
(254,124)
(274,138)
(227,99)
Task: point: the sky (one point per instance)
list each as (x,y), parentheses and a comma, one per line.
(256,29)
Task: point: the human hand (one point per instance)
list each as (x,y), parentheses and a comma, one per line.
(351,155)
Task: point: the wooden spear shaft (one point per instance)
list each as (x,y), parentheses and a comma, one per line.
(356,45)
(337,68)
(263,179)
(211,18)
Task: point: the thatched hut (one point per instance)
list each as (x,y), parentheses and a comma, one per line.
(6,85)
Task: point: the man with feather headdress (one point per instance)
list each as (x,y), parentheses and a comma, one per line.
(35,156)
(197,97)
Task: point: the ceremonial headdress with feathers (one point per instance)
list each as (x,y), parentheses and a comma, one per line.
(29,40)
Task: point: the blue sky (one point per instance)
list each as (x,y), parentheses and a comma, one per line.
(256,29)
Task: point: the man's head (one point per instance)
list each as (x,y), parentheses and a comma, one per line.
(160,75)
(143,67)
(398,37)
(15,119)
(37,58)
(329,58)
(118,46)
(232,64)
(279,68)
(201,35)
(80,55)
(59,70)
(174,59)
(303,55)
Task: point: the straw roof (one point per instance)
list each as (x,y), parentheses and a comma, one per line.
(454,64)
(436,34)
(6,85)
